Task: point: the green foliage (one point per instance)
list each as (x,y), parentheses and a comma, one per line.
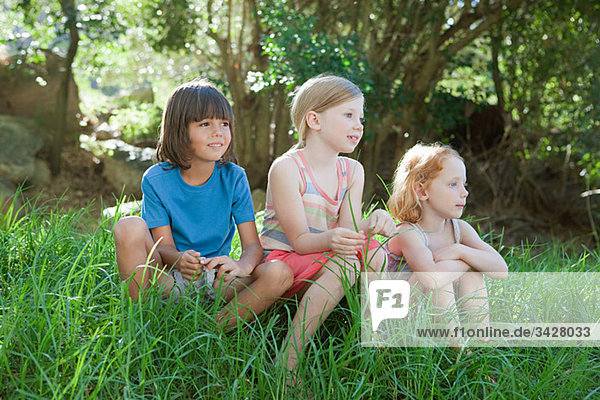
(44,24)
(298,49)
(418,63)
(175,22)
(551,59)
(448,110)
(137,122)
(299,46)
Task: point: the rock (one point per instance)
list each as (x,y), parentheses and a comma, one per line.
(7,193)
(105,132)
(259,199)
(18,146)
(122,210)
(124,164)
(41,173)
(30,91)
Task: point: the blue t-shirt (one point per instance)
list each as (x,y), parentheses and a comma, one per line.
(202,218)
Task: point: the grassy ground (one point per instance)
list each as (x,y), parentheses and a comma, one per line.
(67,331)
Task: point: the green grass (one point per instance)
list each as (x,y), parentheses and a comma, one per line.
(67,331)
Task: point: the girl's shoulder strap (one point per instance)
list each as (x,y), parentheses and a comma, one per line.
(295,155)
(418,229)
(346,168)
(456,229)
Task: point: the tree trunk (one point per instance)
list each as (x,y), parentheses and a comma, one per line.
(255,116)
(371,156)
(282,124)
(62,99)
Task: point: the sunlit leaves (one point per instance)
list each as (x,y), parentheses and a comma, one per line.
(33,25)
(552,57)
(298,50)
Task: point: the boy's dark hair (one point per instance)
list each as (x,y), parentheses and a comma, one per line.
(193,101)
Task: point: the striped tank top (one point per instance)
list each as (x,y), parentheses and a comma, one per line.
(321,211)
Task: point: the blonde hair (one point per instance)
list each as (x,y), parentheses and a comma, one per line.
(319,94)
(420,164)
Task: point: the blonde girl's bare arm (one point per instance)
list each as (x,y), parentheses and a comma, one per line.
(252,251)
(185,261)
(409,243)
(350,210)
(285,184)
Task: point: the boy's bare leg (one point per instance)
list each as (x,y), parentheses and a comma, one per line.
(133,244)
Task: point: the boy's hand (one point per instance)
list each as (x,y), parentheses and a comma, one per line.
(189,264)
(452,252)
(345,242)
(228,268)
(380,222)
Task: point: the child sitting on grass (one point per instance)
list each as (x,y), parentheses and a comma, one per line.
(313,219)
(193,200)
(428,198)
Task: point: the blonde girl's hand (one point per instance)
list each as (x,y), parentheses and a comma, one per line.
(381,222)
(452,252)
(227,267)
(345,242)
(189,265)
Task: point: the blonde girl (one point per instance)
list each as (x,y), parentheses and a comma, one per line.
(313,197)
(193,200)
(428,198)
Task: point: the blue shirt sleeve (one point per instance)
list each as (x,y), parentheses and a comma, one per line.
(153,209)
(242,207)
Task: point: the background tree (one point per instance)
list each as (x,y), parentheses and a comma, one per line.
(225,37)
(548,70)
(58,26)
(523,73)
(396,50)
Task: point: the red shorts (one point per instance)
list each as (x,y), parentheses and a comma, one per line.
(305,266)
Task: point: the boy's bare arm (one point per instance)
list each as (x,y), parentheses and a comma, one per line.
(185,261)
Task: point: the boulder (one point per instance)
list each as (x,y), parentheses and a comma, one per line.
(122,210)
(18,146)
(105,132)
(7,193)
(41,173)
(30,90)
(124,164)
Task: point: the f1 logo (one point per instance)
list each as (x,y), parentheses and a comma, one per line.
(388,299)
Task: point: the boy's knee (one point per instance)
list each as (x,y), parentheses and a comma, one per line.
(129,227)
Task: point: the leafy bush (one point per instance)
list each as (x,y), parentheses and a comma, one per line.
(139,123)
